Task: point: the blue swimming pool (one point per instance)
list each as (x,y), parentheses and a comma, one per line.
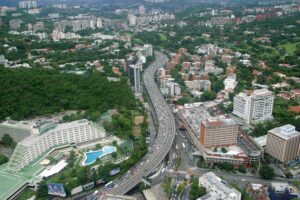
(91,157)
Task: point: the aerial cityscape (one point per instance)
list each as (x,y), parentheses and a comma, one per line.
(149,99)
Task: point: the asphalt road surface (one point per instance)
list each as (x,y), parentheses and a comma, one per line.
(164,139)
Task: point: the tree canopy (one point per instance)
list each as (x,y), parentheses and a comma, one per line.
(266,172)
(30,92)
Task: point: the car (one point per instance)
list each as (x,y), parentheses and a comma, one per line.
(95,192)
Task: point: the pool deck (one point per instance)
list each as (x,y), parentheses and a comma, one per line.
(101,156)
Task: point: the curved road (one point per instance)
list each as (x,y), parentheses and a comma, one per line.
(164,139)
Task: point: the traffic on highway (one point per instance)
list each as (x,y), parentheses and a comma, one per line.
(165,135)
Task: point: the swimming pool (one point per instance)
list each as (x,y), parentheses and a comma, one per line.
(91,157)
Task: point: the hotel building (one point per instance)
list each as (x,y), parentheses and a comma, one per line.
(254,106)
(47,136)
(218,132)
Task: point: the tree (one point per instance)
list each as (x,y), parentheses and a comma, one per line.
(72,158)
(98,146)
(183,100)
(208,96)
(180,188)
(167,186)
(3,159)
(82,173)
(196,191)
(226,166)
(289,175)
(42,192)
(224,150)
(114,155)
(266,172)
(7,140)
(242,169)
(91,92)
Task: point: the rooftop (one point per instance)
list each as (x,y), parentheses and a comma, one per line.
(54,169)
(262,140)
(255,93)
(217,186)
(285,132)
(34,137)
(219,121)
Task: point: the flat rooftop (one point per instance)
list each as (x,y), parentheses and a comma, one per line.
(217,185)
(255,93)
(10,183)
(57,127)
(285,132)
(219,121)
(195,113)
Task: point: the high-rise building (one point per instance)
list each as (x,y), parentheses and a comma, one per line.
(132,19)
(174,88)
(218,132)
(142,10)
(134,74)
(99,23)
(283,143)
(254,106)
(39,26)
(27,4)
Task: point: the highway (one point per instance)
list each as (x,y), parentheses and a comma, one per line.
(165,134)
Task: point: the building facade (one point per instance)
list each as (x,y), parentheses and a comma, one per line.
(134,74)
(218,132)
(48,136)
(254,106)
(283,143)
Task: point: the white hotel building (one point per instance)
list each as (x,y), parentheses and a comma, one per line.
(254,106)
(48,136)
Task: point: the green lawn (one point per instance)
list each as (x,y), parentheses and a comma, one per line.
(290,48)
(28,193)
(163,37)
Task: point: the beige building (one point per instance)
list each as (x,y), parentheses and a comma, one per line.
(216,132)
(283,143)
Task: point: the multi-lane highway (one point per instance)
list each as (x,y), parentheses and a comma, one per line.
(165,135)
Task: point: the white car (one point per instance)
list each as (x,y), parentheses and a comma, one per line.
(96,192)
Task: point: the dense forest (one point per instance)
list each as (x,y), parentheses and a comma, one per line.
(30,92)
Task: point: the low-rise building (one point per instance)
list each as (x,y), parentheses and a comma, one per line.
(257,191)
(15,24)
(282,191)
(217,188)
